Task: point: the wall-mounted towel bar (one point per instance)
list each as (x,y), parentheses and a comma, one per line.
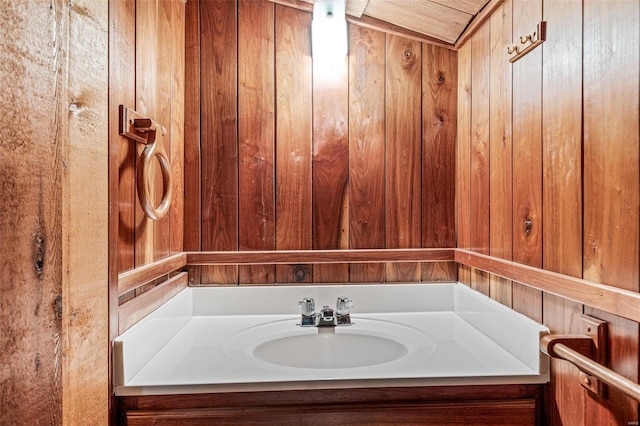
(145,131)
(588,353)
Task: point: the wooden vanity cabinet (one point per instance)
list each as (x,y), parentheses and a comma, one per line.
(463,405)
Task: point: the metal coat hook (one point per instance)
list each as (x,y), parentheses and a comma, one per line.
(531,41)
(144,130)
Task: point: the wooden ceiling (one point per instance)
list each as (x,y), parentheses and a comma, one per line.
(443,20)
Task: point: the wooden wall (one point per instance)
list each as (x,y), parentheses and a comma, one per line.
(148,74)
(287,155)
(53,213)
(548,172)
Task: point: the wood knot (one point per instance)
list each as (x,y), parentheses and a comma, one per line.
(299,273)
(441,78)
(408,57)
(57,307)
(39,252)
(528,226)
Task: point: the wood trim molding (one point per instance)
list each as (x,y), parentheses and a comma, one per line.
(477,21)
(283,257)
(139,307)
(129,280)
(608,298)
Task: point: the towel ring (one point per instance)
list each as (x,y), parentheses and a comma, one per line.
(143,130)
(151,151)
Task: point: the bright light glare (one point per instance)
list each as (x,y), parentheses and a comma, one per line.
(329,31)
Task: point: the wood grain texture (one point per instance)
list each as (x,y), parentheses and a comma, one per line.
(600,296)
(611,145)
(293,136)
(153,99)
(122,62)
(568,399)
(32,143)
(366,148)
(611,178)
(623,340)
(403,152)
(136,309)
(330,175)
(146,104)
(371,23)
(177,114)
(129,280)
(480,145)
(122,153)
(426,17)
(439,120)
(480,413)
(312,114)
(256,134)
(84,308)
(192,178)
(480,142)
(487,12)
(402,398)
(527,155)
(500,163)
(162,70)
(318,256)
(463,157)
(562,192)
(219,138)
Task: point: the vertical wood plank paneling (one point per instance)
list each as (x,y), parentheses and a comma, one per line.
(122,63)
(500,164)
(122,156)
(293,136)
(366,148)
(330,165)
(256,134)
(611,144)
(83,306)
(177,72)
(463,157)
(611,178)
(480,143)
(403,152)
(32,138)
(162,43)
(146,101)
(153,99)
(562,191)
(219,145)
(439,112)
(192,181)
(527,155)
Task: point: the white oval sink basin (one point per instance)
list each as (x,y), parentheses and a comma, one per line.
(368,342)
(330,350)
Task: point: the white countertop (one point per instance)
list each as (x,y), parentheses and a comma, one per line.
(456,336)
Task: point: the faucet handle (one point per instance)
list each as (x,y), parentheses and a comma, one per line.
(307,307)
(343,306)
(343,311)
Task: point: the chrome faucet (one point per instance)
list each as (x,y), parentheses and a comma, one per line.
(327,317)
